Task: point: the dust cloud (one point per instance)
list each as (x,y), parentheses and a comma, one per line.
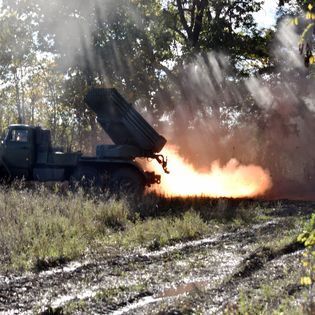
(266,120)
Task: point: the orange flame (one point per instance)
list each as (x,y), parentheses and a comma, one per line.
(232,180)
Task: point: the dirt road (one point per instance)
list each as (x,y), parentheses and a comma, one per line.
(203,276)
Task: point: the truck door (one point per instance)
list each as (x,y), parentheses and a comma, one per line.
(18,151)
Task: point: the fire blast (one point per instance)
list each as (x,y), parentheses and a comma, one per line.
(232,180)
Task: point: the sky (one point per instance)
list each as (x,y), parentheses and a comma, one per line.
(267,16)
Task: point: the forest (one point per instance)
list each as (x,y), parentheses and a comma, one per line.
(209,75)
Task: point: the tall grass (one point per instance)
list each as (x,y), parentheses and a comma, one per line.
(39,227)
(155,233)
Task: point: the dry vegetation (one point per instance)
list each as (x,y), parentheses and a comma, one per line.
(41,228)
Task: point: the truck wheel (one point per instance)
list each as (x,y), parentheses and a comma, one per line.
(127,181)
(5,178)
(86,177)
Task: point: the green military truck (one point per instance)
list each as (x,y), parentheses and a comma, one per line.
(26,151)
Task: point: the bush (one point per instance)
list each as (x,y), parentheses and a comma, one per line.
(155,233)
(113,214)
(307,237)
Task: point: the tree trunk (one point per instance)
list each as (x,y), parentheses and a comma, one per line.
(17,98)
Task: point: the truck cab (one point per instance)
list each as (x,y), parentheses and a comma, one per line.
(17,152)
(26,152)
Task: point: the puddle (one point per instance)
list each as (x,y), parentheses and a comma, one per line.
(183,289)
(166,294)
(223,264)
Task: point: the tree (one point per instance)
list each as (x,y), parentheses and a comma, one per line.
(17,55)
(142,48)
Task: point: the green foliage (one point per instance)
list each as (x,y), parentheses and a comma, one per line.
(134,45)
(307,237)
(156,233)
(139,47)
(265,302)
(18,54)
(113,214)
(39,228)
(226,26)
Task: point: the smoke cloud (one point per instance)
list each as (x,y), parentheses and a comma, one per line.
(267,121)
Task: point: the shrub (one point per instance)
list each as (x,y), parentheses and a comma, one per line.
(113,214)
(307,237)
(155,233)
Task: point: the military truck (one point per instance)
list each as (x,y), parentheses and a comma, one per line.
(26,151)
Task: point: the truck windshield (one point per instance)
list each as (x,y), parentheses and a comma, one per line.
(19,135)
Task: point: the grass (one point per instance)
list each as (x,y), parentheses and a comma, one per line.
(44,227)
(268,299)
(156,233)
(39,228)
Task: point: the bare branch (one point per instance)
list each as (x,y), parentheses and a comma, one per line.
(183,19)
(193,12)
(182,35)
(201,6)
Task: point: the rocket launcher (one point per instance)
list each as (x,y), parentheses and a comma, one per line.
(125,126)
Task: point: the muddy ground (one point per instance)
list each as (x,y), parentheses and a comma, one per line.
(212,275)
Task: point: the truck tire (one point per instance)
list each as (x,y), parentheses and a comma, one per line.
(5,178)
(127,181)
(86,177)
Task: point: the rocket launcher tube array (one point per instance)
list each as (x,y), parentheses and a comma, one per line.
(123,124)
